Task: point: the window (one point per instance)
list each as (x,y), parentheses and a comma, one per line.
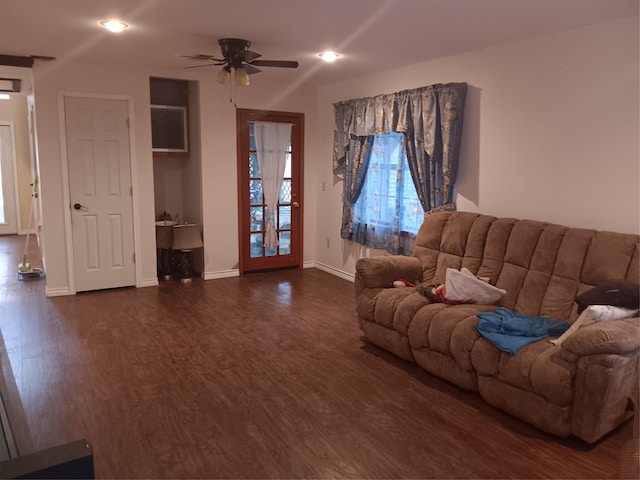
(388,214)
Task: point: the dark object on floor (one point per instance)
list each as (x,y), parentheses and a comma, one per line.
(71,460)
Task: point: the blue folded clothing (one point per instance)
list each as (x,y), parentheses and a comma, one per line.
(510,331)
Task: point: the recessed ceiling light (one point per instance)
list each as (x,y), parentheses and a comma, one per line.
(4,96)
(328,56)
(115,26)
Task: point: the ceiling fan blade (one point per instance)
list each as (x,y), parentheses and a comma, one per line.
(246,55)
(275,63)
(204,65)
(250,69)
(202,56)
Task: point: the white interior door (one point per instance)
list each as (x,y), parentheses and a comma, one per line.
(100,192)
(8,205)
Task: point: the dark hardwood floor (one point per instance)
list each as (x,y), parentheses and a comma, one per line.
(261,376)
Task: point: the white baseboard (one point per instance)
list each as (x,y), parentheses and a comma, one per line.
(57,292)
(221,274)
(152,282)
(319,266)
(333,271)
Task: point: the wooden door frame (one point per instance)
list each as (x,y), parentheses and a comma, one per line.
(243,118)
(66,192)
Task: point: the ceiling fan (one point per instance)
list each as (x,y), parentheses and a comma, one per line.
(238,61)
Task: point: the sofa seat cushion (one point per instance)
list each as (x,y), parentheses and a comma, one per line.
(540,368)
(385,314)
(387,339)
(391,307)
(442,337)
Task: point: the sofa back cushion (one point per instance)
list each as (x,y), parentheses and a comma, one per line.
(542,266)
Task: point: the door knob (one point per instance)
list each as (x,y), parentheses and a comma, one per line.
(295,204)
(78,206)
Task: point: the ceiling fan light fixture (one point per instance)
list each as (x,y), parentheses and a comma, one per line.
(241,77)
(223,76)
(329,56)
(115,26)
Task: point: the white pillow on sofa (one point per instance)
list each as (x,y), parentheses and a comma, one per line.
(464,287)
(595,313)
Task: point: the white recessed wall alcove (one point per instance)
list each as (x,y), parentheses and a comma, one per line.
(177,161)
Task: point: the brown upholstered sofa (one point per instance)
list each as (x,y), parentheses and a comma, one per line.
(581,387)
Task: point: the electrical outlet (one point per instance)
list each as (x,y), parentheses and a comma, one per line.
(328,243)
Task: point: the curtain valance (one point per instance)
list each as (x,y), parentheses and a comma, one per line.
(430,119)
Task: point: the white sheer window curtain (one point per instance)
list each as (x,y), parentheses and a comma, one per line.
(272,145)
(387,214)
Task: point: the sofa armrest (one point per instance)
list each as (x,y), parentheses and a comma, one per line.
(606,337)
(380,272)
(606,356)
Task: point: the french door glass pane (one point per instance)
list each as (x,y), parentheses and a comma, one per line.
(284,218)
(257,216)
(287,168)
(285,192)
(285,243)
(2,215)
(255,192)
(258,211)
(254,166)
(256,245)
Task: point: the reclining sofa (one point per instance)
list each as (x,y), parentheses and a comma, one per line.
(583,387)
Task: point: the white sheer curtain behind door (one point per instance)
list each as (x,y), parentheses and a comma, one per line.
(272,146)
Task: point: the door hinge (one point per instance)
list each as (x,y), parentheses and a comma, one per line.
(128,123)
(134,258)
(131,191)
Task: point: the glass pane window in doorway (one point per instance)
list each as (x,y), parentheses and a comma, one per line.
(2,216)
(259,212)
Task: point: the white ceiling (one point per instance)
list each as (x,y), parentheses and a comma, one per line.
(371,35)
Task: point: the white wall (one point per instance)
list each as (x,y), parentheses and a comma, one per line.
(217,150)
(550,132)
(168,181)
(219,164)
(51,79)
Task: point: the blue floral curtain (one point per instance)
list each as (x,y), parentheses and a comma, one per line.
(431,120)
(358,160)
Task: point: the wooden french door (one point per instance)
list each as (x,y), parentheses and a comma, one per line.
(253,212)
